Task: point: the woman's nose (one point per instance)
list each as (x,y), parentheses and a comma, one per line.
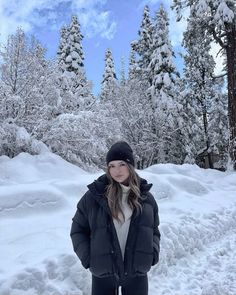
(118,169)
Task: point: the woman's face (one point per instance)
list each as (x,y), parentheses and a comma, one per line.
(119,171)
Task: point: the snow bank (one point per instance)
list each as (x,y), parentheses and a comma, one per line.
(29,199)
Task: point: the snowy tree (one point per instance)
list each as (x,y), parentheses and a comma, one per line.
(75,89)
(74,58)
(109,81)
(122,71)
(22,63)
(218,18)
(164,92)
(63,49)
(83,138)
(192,135)
(15,139)
(161,69)
(23,80)
(136,120)
(199,71)
(29,97)
(134,69)
(144,45)
(218,127)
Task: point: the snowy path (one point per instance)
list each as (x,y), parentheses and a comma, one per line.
(211,271)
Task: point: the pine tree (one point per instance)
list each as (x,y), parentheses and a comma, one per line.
(143,46)
(63,49)
(218,18)
(122,71)
(199,73)
(109,81)
(218,127)
(133,65)
(74,58)
(76,90)
(163,91)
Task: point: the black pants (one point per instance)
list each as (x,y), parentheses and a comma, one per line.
(129,286)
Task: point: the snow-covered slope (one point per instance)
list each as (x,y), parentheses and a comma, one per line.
(38,197)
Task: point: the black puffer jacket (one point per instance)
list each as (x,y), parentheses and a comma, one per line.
(95,240)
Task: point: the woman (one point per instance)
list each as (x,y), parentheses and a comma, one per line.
(115,228)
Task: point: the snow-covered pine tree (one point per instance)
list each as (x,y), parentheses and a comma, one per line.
(63,49)
(122,71)
(144,45)
(74,58)
(218,127)
(201,86)
(219,19)
(76,90)
(164,93)
(109,82)
(134,69)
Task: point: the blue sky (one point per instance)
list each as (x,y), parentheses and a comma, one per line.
(104,23)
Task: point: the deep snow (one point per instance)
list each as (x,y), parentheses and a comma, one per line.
(38,197)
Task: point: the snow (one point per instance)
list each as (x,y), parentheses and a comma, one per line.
(38,197)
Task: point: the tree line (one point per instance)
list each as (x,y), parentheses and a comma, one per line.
(167,117)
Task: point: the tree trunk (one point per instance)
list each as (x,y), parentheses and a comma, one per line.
(231,67)
(205,122)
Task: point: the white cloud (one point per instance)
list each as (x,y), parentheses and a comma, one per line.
(101,23)
(31,15)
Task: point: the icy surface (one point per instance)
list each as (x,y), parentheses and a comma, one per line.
(38,197)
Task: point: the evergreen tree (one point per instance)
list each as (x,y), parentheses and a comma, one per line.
(218,127)
(109,81)
(133,65)
(76,90)
(63,49)
(74,58)
(164,92)
(144,45)
(218,18)
(122,71)
(202,90)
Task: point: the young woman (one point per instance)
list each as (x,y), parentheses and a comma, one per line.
(115,228)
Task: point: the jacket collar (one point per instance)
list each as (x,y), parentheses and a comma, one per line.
(98,187)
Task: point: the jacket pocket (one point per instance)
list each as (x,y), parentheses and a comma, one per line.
(142,262)
(101,265)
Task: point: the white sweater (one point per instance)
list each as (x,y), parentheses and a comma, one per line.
(122,228)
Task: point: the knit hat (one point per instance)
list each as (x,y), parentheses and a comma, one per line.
(120,151)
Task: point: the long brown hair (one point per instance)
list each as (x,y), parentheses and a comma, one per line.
(114,193)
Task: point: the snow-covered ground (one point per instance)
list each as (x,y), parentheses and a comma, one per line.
(38,197)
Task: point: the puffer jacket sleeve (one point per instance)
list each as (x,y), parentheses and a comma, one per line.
(156,235)
(80,232)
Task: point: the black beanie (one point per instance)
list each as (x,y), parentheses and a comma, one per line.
(120,151)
